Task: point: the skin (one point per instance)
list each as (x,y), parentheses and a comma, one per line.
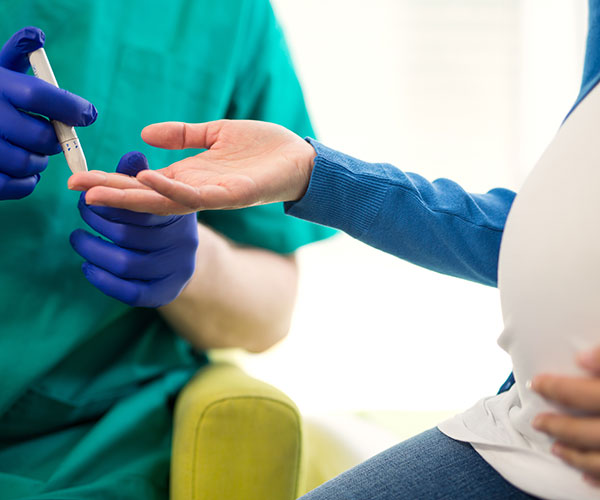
(249,163)
(238,296)
(577,438)
(246,163)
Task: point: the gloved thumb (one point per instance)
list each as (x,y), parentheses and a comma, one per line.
(131,163)
(13,55)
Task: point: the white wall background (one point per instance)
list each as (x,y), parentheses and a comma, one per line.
(467,89)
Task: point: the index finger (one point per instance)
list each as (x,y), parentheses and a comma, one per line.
(136,200)
(32,94)
(82,181)
(578,393)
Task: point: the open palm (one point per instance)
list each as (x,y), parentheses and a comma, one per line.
(246,163)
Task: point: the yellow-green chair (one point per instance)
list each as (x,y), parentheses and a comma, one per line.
(237,438)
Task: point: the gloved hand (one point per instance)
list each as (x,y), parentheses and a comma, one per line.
(25,139)
(151,257)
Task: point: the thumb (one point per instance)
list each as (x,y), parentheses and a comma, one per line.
(131,163)
(14,54)
(179,135)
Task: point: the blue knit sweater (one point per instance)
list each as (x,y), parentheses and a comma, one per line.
(437,225)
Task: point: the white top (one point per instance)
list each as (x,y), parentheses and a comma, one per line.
(549,281)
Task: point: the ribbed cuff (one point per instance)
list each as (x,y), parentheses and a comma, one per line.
(340,193)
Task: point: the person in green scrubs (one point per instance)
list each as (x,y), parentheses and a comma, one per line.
(87,383)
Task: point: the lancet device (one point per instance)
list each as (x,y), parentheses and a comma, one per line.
(67,137)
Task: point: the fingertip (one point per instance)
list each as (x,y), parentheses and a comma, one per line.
(88,199)
(166,135)
(90,115)
(36,164)
(143,174)
(14,53)
(75,237)
(84,113)
(93,198)
(72,184)
(557,449)
(85,268)
(148,177)
(148,132)
(536,383)
(589,360)
(538,422)
(30,38)
(144,132)
(90,273)
(111,285)
(154,127)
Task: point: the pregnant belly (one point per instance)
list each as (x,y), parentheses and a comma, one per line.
(549,268)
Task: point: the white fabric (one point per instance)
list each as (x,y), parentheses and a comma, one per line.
(549,281)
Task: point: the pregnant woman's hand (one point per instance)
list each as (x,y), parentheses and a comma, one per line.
(577,437)
(246,163)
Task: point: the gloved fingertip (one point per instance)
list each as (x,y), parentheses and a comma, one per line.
(13,55)
(29,39)
(85,268)
(74,238)
(131,163)
(90,115)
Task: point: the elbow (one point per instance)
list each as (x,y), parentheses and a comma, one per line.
(257,344)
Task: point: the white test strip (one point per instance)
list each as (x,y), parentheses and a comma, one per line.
(66,135)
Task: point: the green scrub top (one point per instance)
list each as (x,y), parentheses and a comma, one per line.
(87,384)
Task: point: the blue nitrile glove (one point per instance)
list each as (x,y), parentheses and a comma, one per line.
(25,139)
(151,257)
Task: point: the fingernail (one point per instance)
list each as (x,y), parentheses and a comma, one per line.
(557,450)
(587,359)
(533,384)
(536,423)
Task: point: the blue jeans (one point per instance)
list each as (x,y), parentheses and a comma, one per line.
(429,466)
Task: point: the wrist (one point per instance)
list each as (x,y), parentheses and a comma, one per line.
(305,167)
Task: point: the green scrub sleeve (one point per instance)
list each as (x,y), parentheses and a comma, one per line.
(266,89)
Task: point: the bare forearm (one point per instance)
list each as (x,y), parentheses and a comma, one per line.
(238,296)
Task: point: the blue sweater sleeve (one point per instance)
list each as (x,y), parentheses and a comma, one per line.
(436,225)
